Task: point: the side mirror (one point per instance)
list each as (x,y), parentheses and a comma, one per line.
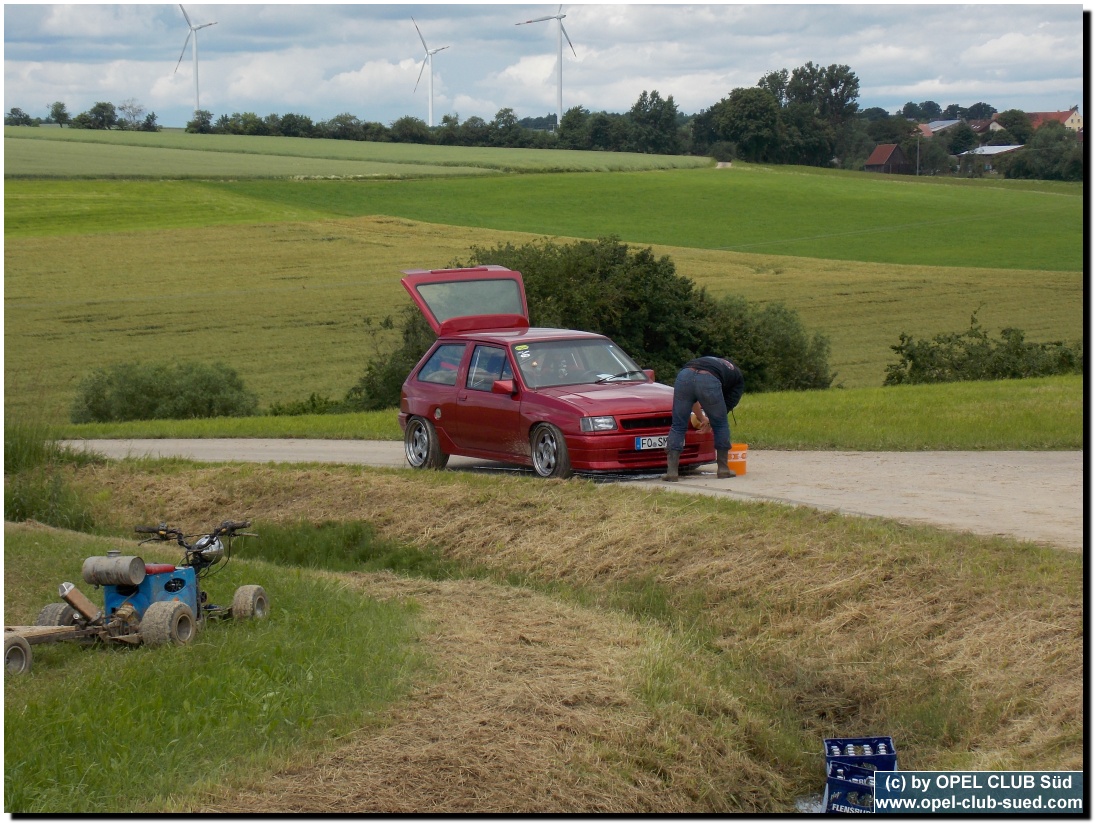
(649,374)
(505,387)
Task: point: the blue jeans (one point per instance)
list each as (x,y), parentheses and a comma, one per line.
(691,387)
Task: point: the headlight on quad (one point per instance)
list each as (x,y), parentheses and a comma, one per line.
(598,424)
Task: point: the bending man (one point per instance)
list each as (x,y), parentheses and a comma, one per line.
(716,385)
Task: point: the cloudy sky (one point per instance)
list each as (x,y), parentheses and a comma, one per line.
(322,60)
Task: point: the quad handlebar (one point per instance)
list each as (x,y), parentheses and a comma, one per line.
(164,533)
(207,553)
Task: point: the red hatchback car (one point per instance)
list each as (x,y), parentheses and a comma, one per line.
(555,400)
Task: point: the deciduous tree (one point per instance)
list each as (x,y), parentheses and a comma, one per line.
(750,118)
(654,124)
(1017,123)
(58,113)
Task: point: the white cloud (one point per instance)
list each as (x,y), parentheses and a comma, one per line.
(321,60)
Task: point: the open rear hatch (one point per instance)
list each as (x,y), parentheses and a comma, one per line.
(464,300)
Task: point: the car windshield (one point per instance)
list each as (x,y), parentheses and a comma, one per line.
(575,361)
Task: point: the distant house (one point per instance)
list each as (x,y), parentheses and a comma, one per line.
(1070,120)
(937,126)
(981,157)
(980,126)
(888,159)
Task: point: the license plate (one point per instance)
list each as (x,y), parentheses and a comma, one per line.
(651,442)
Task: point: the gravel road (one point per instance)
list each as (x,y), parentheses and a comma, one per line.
(1036,496)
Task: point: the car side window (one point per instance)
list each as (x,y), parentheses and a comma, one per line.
(488,364)
(442,365)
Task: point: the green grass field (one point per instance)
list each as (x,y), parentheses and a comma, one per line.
(278,277)
(77,153)
(88,722)
(1032,414)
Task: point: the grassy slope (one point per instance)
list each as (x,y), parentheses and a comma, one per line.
(967,650)
(766,210)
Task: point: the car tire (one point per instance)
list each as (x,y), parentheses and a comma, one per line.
(550,457)
(168,623)
(421,445)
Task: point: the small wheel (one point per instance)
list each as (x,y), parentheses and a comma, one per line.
(422,447)
(250,602)
(17,657)
(168,623)
(550,458)
(58,614)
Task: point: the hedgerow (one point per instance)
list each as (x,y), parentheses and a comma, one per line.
(972,356)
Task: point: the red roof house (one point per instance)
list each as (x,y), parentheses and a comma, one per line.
(888,159)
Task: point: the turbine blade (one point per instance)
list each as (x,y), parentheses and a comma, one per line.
(567,36)
(185,42)
(420,37)
(435,51)
(205,25)
(537,20)
(419,76)
(187,16)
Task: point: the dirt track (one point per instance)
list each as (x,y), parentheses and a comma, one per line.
(1036,496)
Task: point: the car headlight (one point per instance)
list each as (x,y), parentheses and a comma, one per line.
(598,423)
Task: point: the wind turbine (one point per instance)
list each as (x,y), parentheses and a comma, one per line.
(192,33)
(562,33)
(428,59)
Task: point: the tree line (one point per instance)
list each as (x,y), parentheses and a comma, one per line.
(806,116)
(129,115)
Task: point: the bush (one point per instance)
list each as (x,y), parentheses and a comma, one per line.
(972,356)
(723,152)
(639,301)
(141,392)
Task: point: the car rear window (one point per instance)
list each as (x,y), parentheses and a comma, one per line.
(459,299)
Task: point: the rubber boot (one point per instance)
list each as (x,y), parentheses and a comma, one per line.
(673,457)
(722,456)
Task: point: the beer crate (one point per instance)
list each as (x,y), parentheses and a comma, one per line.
(860,757)
(849,789)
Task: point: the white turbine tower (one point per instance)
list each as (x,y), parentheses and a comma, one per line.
(428,59)
(192,33)
(558,16)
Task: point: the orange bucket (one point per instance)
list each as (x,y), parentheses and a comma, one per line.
(735,459)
